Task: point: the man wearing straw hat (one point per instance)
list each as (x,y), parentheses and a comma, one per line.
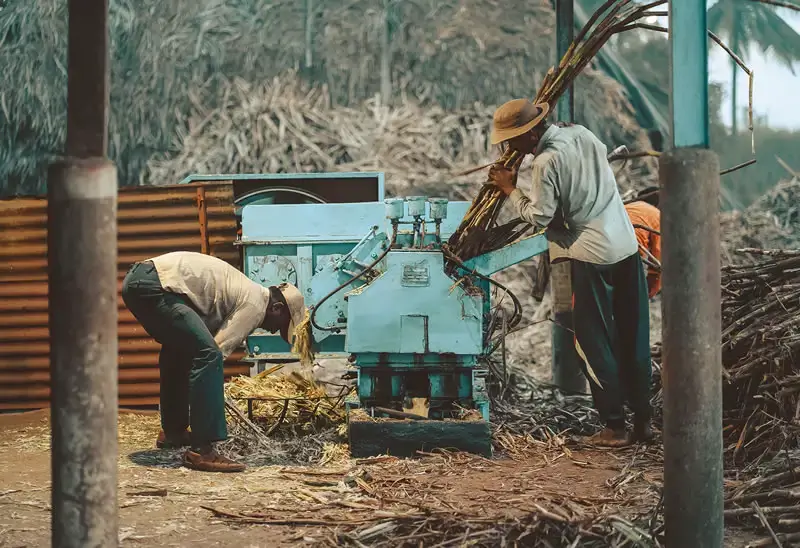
(200,309)
(574,196)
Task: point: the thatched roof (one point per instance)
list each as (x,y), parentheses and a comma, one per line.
(447,52)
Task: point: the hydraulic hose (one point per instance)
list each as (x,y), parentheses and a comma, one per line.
(348,282)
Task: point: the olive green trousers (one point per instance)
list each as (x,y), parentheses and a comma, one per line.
(190,362)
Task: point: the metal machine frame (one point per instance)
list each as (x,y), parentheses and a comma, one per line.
(384,296)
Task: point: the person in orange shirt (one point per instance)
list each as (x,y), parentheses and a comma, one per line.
(646,219)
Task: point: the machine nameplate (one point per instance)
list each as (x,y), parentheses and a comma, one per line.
(416,274)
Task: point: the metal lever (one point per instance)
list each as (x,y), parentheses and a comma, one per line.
(344,259)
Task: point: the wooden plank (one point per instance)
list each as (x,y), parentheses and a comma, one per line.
(403,438)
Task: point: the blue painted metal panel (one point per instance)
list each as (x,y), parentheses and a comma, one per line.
(688,38)
(296,223)
(195,178)
(297,264)
(414,284)
(262,345)
(310,222)
(514,253)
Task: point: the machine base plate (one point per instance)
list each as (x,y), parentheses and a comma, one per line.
(403,438)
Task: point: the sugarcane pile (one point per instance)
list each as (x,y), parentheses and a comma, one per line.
(478,233)
(760,341)
(772,221)
(760,345)
(769,500)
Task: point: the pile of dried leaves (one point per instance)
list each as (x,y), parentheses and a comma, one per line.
(547,412)
(555,527)
(458,499)
(284,419)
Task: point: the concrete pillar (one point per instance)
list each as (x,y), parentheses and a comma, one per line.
(692,374)
(82,273)
(82,263)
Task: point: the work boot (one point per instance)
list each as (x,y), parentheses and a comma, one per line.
(610,436)
(208,460)
(173,443)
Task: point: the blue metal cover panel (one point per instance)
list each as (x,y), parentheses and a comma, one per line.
(413,307)
(301,223)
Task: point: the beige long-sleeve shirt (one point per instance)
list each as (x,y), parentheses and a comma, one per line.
(232,305)
(574,194)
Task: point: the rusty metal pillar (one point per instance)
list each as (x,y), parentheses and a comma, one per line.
(566,364)
(82,272)
(692,373)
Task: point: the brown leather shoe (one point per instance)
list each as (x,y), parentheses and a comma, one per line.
(163,443)
(608,437)
(210,461)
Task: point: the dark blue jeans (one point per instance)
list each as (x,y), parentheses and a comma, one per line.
(190,362)
(611,316)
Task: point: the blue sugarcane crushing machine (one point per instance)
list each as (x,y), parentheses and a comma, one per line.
(384,298)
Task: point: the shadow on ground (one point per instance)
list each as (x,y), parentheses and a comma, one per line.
(156,458)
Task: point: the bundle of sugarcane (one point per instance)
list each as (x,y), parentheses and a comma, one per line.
(478,233)
(472,235)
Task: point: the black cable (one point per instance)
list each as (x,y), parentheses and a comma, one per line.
(348,282)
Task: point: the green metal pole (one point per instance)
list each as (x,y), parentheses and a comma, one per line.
(565,34)
(689,71)
(566,364)
(692,368)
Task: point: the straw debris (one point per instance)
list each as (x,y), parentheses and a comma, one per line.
(305,401)
(303,341)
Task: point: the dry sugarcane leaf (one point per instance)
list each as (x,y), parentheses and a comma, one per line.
(589,369)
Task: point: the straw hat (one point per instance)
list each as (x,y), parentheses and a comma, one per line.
(516,118)
(297,308)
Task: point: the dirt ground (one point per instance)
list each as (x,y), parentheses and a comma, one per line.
(163,504)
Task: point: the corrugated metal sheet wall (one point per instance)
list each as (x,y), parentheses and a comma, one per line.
(152,220)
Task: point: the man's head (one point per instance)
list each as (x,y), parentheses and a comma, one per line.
(286,309)
(649,195)
(520,125)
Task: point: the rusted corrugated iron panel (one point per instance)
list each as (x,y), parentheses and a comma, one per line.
(152,220)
